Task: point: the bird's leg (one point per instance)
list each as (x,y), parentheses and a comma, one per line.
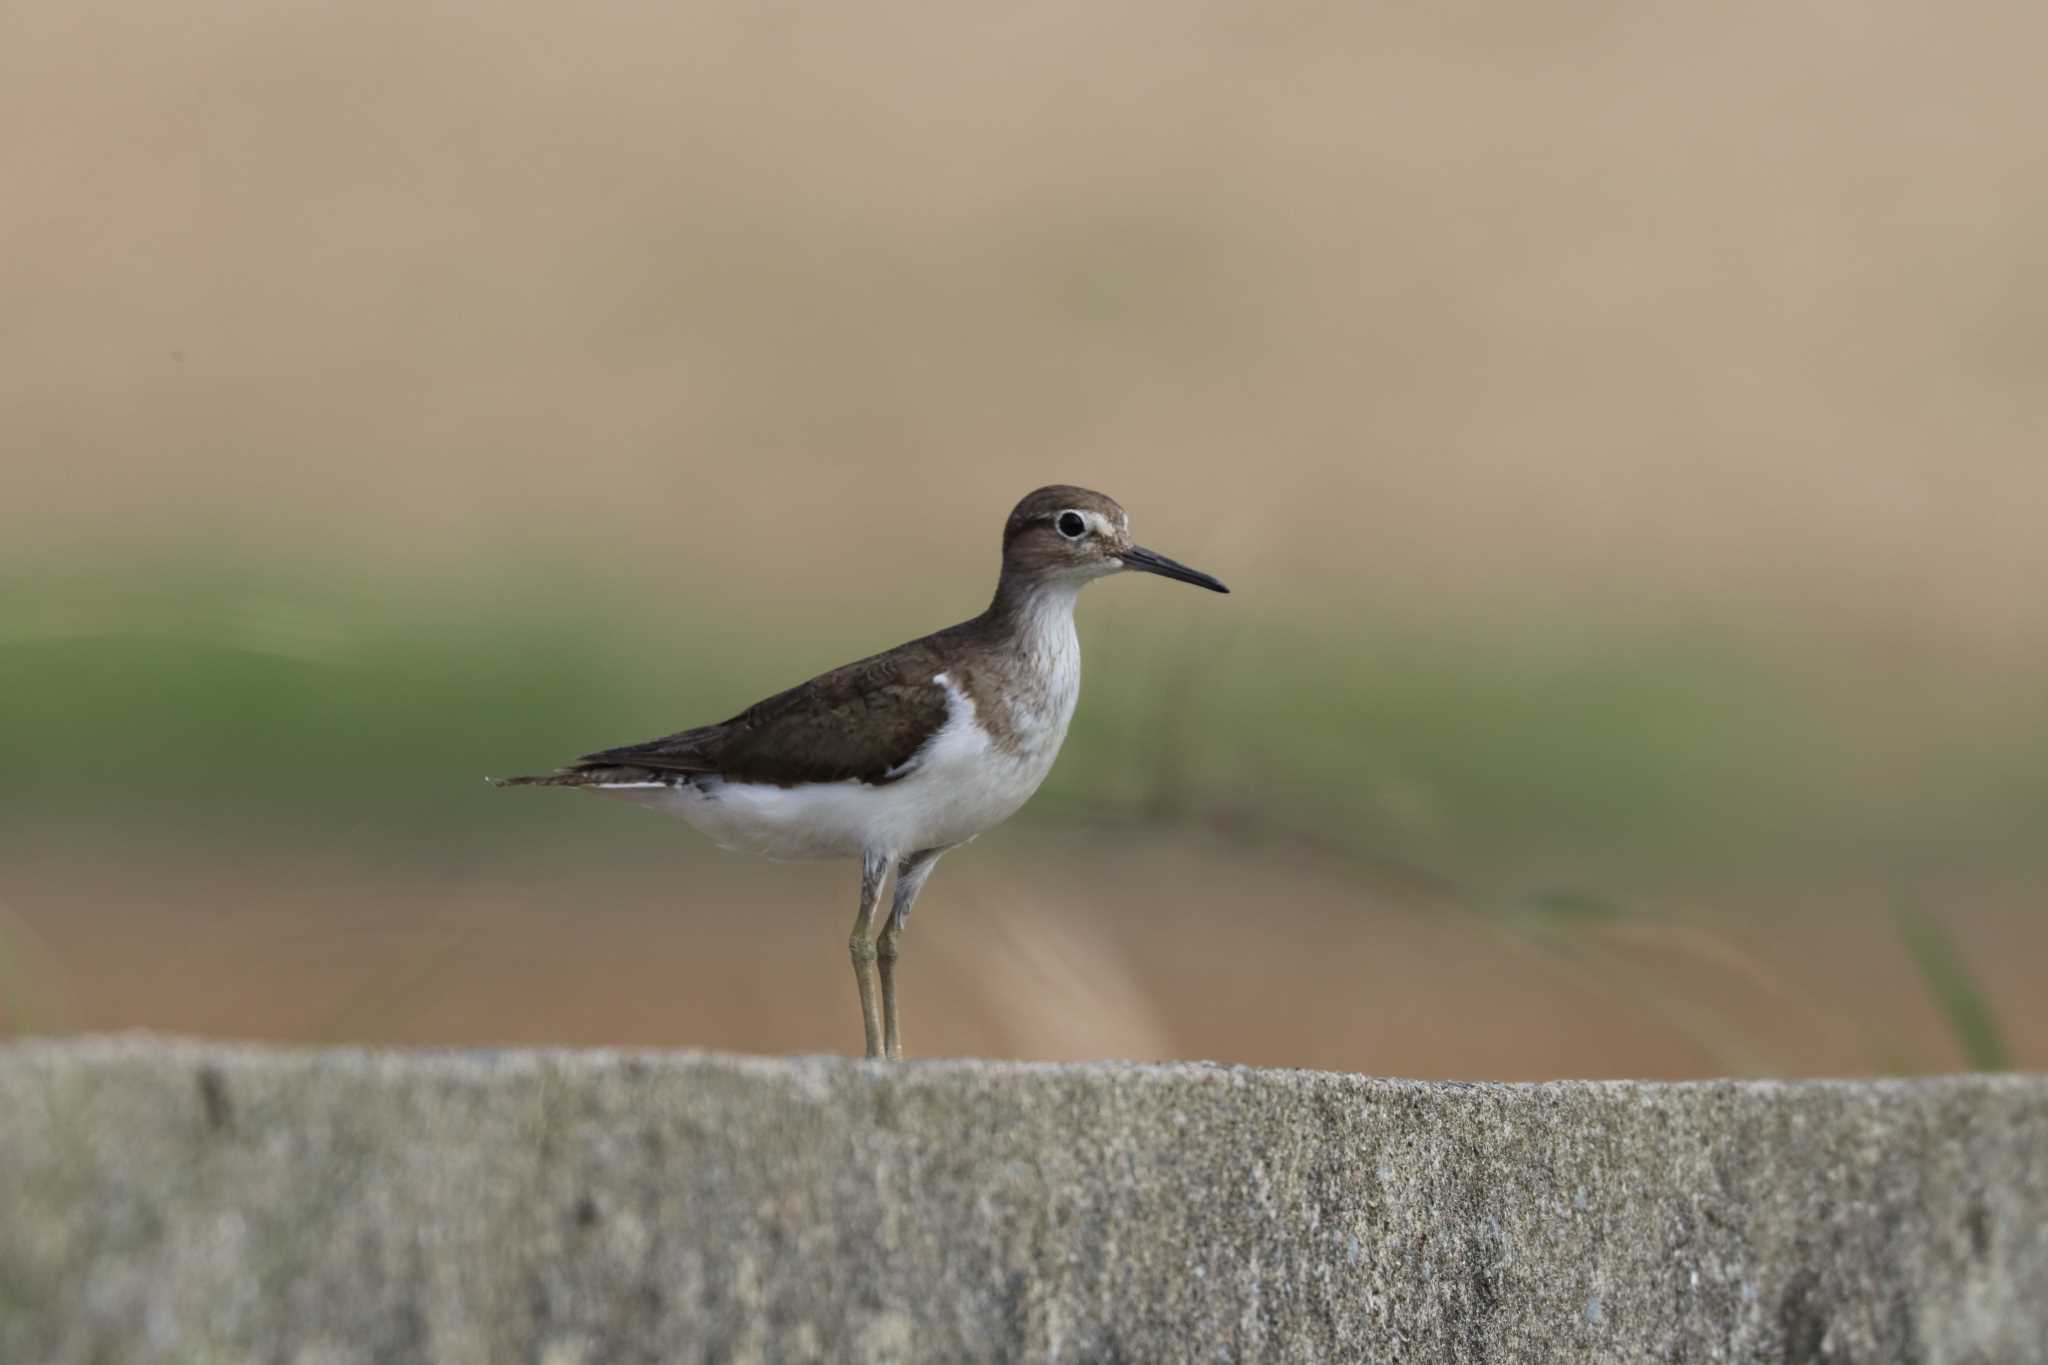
(910,877)
(873,868)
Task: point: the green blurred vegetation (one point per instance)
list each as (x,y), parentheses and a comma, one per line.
(1652,749)
(1964,1004)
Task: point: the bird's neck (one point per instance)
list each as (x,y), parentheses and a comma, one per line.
(1032,673)
(1036,613)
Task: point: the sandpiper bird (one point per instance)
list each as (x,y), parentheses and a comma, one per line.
(899,757)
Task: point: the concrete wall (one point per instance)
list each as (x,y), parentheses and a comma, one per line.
(171,1201)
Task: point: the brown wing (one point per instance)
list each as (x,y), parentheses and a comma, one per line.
(864,722)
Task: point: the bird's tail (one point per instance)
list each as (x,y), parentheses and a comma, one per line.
(606,776)
(543,780)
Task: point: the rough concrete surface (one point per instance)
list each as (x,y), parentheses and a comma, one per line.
(174,1201)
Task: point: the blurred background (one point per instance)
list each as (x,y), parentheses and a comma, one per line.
(1622,427)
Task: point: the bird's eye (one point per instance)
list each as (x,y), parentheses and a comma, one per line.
(1072,525)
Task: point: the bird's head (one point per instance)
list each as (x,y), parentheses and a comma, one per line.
(1064,534)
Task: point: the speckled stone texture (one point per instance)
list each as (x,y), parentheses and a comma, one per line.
(183,1202)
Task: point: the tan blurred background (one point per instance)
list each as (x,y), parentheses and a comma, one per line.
(1622,426)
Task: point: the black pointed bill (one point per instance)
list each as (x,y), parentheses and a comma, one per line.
(1148,561)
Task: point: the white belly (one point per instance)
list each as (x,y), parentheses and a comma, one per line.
(959,784)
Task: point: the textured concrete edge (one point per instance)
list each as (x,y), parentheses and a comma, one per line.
(245,1202)
(483,1061)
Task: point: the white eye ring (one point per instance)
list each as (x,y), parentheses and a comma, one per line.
(1079,523)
